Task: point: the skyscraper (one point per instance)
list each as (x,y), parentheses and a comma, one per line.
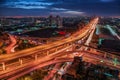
(55,21)
(59,21)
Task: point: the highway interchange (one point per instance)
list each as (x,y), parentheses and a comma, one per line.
(25,61)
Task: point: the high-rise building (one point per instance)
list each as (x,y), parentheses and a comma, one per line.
(59,21)
(1,28)
(55,21)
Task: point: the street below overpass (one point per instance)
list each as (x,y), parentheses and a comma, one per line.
(88,57)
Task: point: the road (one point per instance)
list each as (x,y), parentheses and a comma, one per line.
(78,35)
(58,68)
(113,32)
(53,71)
(88,57)
(93,58)
(26,60)
(12,44)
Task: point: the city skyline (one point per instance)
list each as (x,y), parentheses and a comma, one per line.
(59,7)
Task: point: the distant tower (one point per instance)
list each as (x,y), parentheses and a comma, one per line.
(33,19)
(1,25)
(59,21)
(55,21)
(51,20)
(1,28)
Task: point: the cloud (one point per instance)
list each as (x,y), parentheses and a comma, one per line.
(61,9)
(67,13)
(70,7)
(29,7)
(74,12)
(30,4)
(107,0)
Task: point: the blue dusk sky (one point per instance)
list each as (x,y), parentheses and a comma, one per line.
(59,7)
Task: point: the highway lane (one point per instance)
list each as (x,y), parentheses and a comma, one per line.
(91,35)
(113,32)
(53,71)
(22,53)
(40,49)
(88,60)
(39,66)
(85,54)
(31,63)
(86,57)
(58,68)
(102,53)
(12,44)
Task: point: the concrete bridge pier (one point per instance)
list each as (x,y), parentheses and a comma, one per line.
(20,61)
(3,66)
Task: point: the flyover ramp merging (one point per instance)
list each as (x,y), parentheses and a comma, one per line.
(39,49)
(95,59)
(78,35)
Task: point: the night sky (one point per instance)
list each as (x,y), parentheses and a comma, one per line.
(59,7)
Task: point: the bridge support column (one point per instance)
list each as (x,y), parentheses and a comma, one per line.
(67,44)
(21,61)
(47,52)
(3,66)
(113,56)
(105,55)
(64,45)
(73,46)
(36,56)
(56,49)
(47,42)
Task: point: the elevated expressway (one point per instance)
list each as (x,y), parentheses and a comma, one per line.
(23,62)
(68,57)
